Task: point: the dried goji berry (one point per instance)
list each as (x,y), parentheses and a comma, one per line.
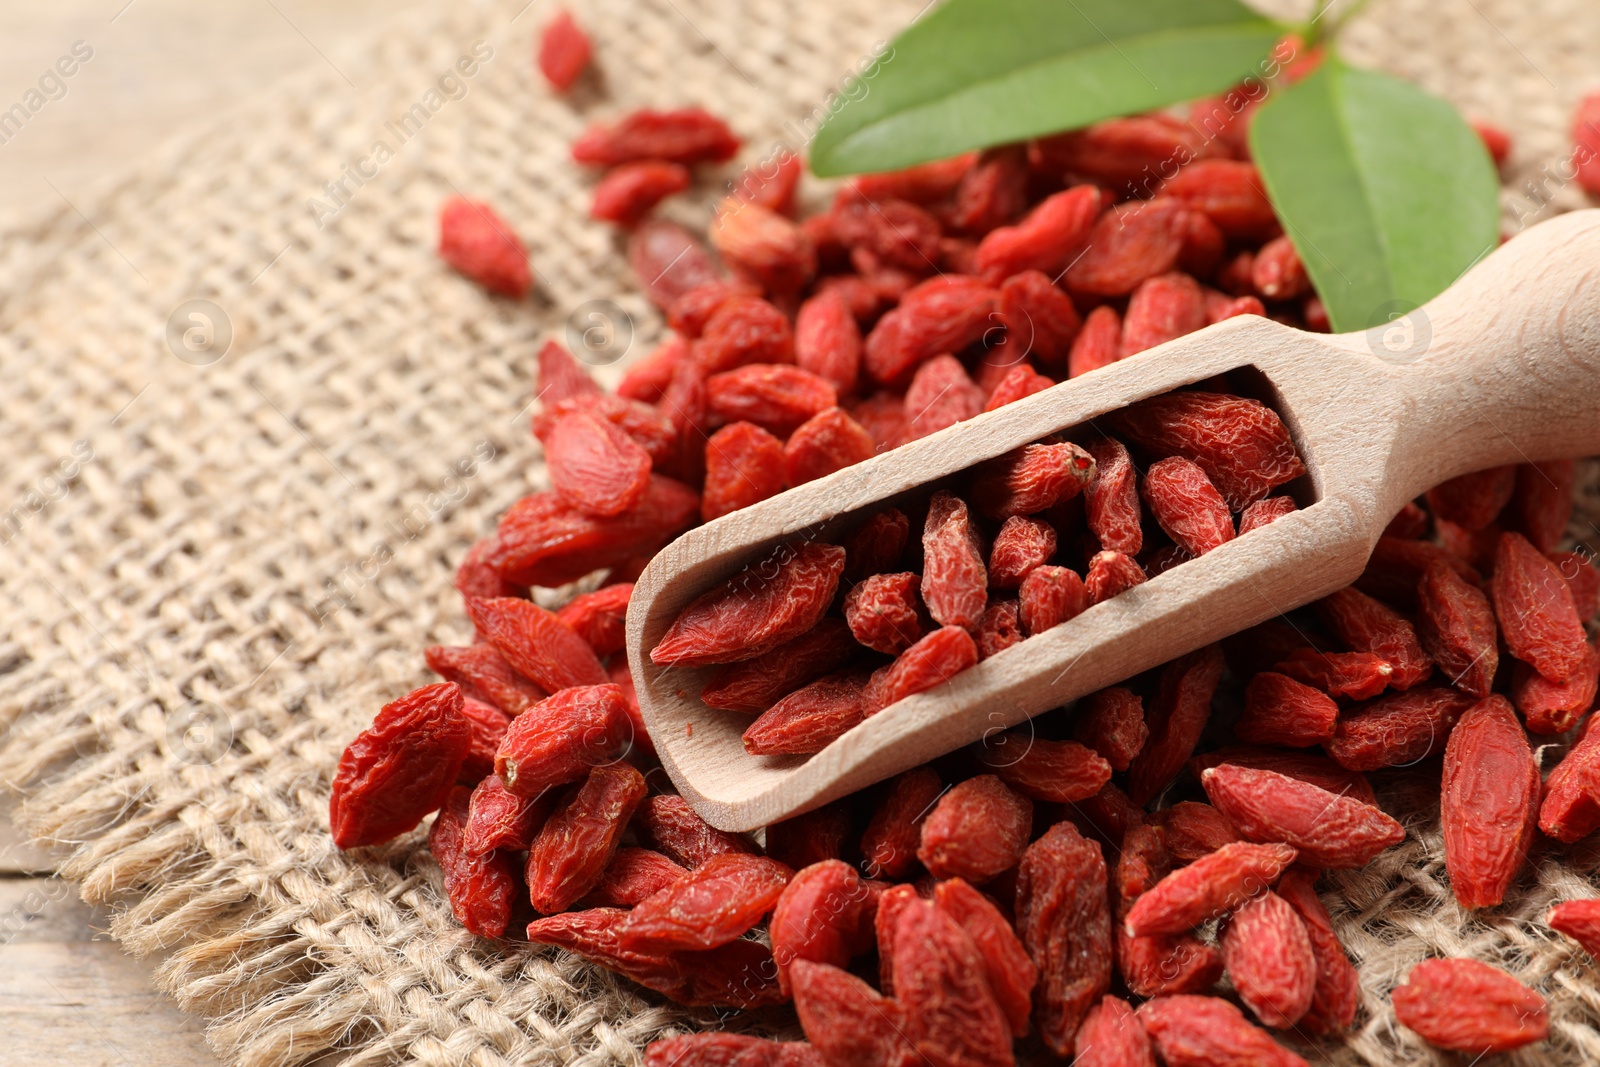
(954,579)
(1230,194)
(1031,479)
(1061,772)
(668,261)
(1241,444)
(571,851)
(630,192)
(951,1013)
(1040,319)
(1111,722)
(1266,511)
(559,739)
(1128,244)
(1022,545)
(1468,1006)
(692,312)
(1210,886)
(1187,506)
(775,397)
(482,672)
(932,661)
(819,834)
(599,617)
(1579,920)
(668,824)
(1397,564)
(755,685)
(476,241)
(480,886)
(1127,152)
(889,845)
(1179,713)
(1196,1031)
(1555,707)
(742,331)
(1397,730)
(848,1021)
(992,193)
(1338,990)
(1476,547)
(1269,960)
(829,441)
(1277,272)
(1046,240)
(1163,963)
(474,577)
(1111,1036)
(1011,973)
(633,875)
(488,724)
(594,465)
(978,829)
(717,903)
(1582,578)
(940,395)
(1111,574)
(400,768)
(827,341)
(744,466)
(1049,596)
(1111,499)
(942,315)
(1281,711)
(883,414)
(1358,675)
(1537,614)
(1204,245)
(888,231)
(1586,142)
(1472,501)
(820,917)
(1162,309)
(1064,920)
(543,541)
(1192,830)
(810,718)
(763,245)
(1327,830)
(1542,503)
(1320,771)
(498,818)
(740,974)
(730,1050)
(688,135)
(564,51)
(1019,383)
(765,605)
(1458,630)
(535,643)
(1488,803)
(646,379)
(1098,344)
(772,182)
(883,612)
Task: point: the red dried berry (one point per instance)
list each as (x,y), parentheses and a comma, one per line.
(1187,506)
(1111,574)
(630,192)
(717,903)
(535,643)
(1457,628)
(474,577)
(848,1022)
(883,612)
(1488,804)
(1472,501)
(482,672)
(1397,730)
(1060,772)
(1040,320)
(1031,479)
(767,604)
(559,739)
(572,849)
(775,397)
(488,724)
(668,261)
(1277,272)
(1579,920)
(1468,1006)
(1241,444)
(1010,972)
(543,541)
(742,331)
(599,617)
(744,466)
(595,466)
(810,718)
(1582,578)
(1098,344)
(688,135)
(668,824)
(1162,309)
(823,913)
(1111,499)
(1129,243)
(1269,960)
(932,661)
(829,441)
(951,1012)
(498,818)
(476,241)
(730,1050)
(1538,616)
(1320,771)
(1542,503)
(1210,886)
(942,315)
(400,768)
(889,845)
(1111,722)
(827,341)
(1195,1031)
(480,886)
(632,876)
(954,579)
(1327,830)
(1555,707)
(1228,193)
(1049,596)
(941,395)
(1192,830)
(564,51)
(1064,920)
(978,829)
(1022,545)
(1111,1036)
(763,245)
(1281,711)
(1046,240)
(1338,989)
(755,685)
(886,233)
(1358,675)
(1179,713)
(1019,383)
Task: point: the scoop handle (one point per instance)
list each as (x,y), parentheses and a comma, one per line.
(1504,366)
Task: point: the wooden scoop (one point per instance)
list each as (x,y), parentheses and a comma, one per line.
(1504,367)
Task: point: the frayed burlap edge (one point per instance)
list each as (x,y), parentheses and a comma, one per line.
(225,562)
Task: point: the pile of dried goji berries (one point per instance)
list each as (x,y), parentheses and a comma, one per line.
(1159,838)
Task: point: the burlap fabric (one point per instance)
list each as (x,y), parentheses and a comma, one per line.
(220,565)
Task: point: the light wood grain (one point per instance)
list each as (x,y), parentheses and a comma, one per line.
(1510,372)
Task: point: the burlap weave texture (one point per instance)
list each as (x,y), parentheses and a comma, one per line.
(247,555)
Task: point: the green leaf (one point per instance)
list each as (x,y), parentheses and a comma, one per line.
(1387,194)
(975,73)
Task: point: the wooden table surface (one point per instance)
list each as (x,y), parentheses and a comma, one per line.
(69,996)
